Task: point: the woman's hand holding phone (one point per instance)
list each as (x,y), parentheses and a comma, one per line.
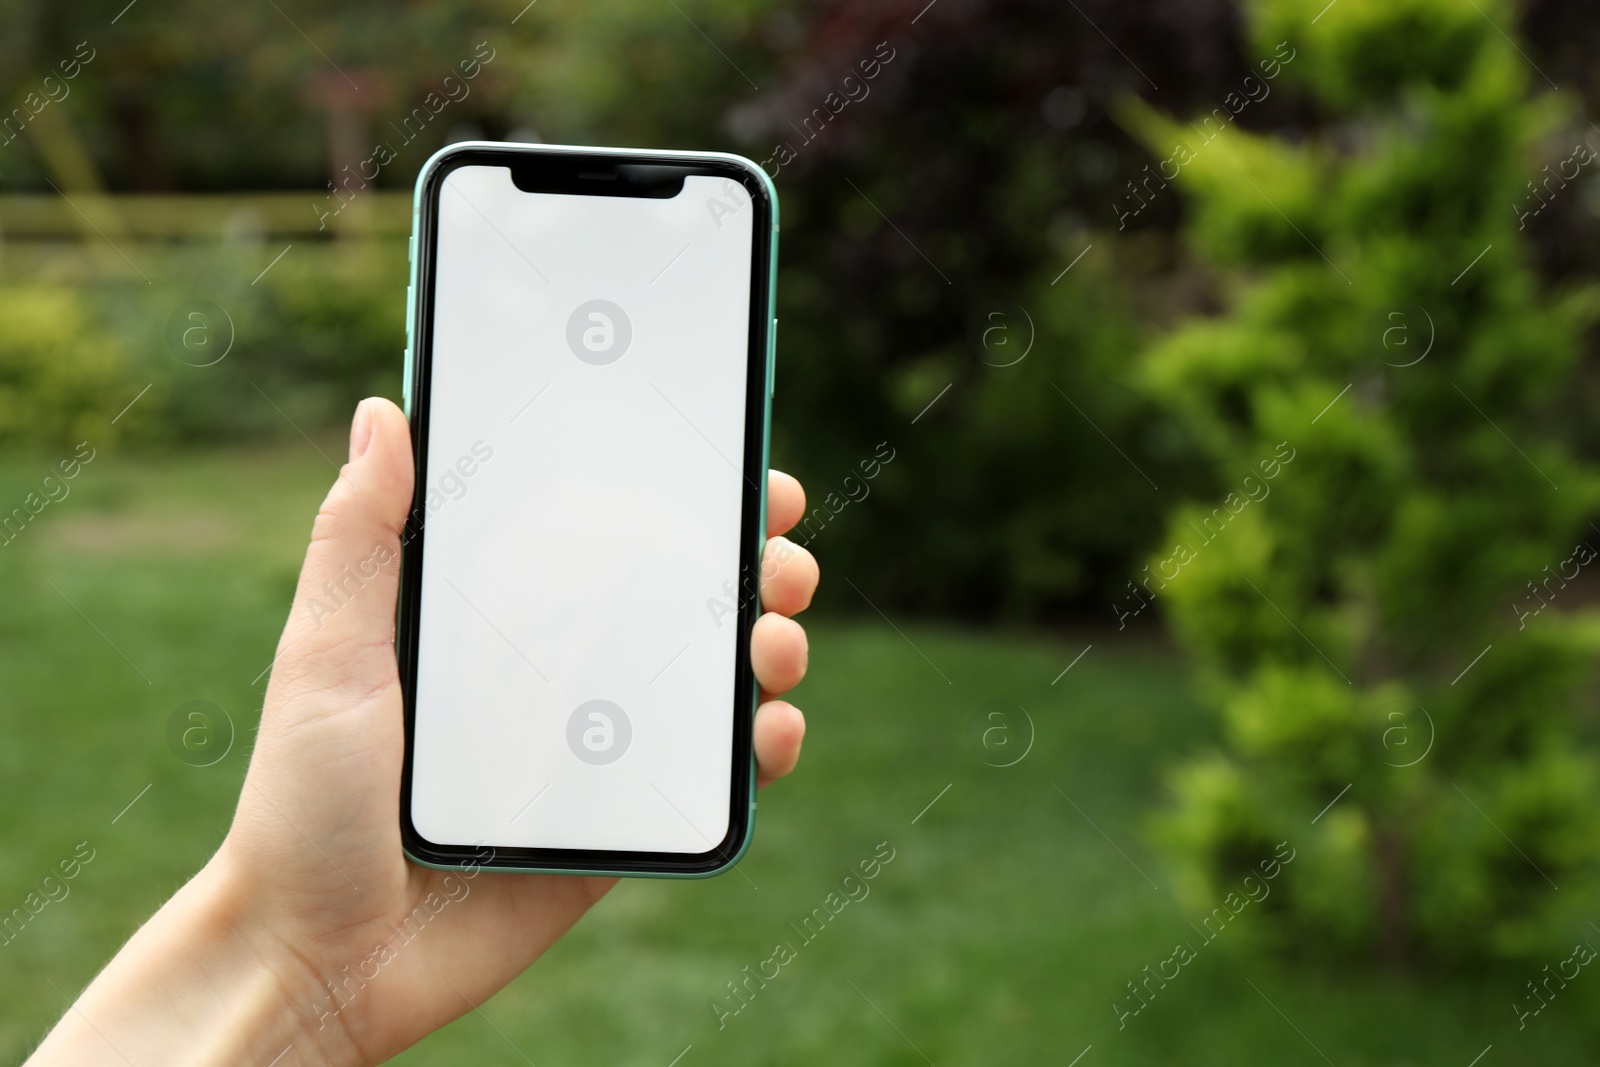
(308,936)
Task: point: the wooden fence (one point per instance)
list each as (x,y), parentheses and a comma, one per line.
(95,216)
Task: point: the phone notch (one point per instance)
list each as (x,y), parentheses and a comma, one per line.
(591,177)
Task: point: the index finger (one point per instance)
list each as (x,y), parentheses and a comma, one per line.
(786,502)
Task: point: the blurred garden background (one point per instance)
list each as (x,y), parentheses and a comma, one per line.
(1275,318)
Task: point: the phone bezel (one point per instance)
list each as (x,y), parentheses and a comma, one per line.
(474,855)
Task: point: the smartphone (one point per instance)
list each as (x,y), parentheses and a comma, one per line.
(589,374)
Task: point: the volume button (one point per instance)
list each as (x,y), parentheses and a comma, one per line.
(405,385)
(772,359)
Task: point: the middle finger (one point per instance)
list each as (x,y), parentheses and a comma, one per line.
(788,577)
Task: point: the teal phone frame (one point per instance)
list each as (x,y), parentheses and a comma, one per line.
(417,365)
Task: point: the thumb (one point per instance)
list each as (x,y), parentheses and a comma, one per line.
(339,640)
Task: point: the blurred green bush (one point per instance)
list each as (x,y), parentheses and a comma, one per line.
(225,359)
(1366,600)
(63,376)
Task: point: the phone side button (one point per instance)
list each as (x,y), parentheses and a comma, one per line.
(772,360)
(405,387)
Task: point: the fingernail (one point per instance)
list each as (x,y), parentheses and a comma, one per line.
(360,431)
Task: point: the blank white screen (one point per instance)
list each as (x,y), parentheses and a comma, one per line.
(582,517)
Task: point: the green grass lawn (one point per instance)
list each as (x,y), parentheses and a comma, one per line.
(1002,931)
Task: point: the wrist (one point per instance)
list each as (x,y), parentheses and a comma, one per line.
(204,982)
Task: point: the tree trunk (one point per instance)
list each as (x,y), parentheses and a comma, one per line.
(1394,935)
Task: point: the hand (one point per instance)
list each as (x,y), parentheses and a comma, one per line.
(275,946)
